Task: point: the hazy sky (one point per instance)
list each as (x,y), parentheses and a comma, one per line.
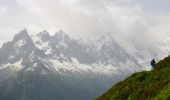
(136,19)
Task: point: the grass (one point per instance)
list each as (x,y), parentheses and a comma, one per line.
(151,85)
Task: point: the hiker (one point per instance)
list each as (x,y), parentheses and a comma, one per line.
(153,63)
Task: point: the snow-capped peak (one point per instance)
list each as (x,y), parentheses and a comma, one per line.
(61,48)
(22,35)
(67,60)
(61,34)
(107,38)
(44,35)
(19,43)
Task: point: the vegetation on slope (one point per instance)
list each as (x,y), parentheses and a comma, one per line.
(152,85)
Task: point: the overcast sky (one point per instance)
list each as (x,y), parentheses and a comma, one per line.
(135,19)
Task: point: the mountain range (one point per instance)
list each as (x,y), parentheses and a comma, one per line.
(45,66)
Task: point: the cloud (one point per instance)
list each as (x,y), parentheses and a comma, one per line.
(85,18)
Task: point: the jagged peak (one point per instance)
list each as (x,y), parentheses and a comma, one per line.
(88,42)
(23,39)
(107,39)
(61,34)
(23,34)
(44,33)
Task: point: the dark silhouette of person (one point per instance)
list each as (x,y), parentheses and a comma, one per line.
(153,63)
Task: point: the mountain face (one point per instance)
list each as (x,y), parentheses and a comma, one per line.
(59,67)
(151,85)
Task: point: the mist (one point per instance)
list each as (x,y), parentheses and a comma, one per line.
(137,20)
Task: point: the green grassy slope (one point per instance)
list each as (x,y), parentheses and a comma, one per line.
(152,85)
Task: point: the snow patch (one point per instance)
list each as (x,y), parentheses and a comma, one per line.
(76,67)
(15,66)
(20,43)
(18,65)
(49,51)
(31,68)
(42,45)
(11,56)
(62,44)
(4,66)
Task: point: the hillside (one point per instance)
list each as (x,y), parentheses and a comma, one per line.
(152,85)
